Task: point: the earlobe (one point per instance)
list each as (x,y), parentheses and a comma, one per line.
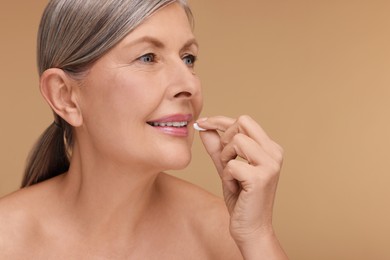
(60,92)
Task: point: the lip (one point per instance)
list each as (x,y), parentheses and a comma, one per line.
(173,118)
(170,130)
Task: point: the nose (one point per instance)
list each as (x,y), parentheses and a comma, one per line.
(183,83)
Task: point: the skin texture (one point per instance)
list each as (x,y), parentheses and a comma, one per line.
(115,202)
(249,185)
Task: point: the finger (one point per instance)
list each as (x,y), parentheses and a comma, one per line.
(220,123)
(246,125)
(232,174)
(248,176)
(212,143)
(246,148)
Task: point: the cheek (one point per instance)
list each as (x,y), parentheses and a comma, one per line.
(198,101)
(115,112)
(119,100)
(199,106)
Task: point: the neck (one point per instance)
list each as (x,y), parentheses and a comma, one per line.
(105,197)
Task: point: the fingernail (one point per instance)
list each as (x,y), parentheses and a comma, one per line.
(198,128)
(201,119)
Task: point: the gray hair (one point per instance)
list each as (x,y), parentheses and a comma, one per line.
(75,33)
(72,35)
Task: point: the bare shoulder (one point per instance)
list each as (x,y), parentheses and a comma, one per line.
(209,217)
(19,220)
(15,223)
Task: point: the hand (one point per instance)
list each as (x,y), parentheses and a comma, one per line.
(249,185)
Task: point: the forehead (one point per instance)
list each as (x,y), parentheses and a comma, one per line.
(170,23)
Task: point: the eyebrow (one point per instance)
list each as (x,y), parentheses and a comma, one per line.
(159,44)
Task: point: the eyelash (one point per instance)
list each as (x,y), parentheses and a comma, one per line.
(151,58)
(148,55)
(192,59)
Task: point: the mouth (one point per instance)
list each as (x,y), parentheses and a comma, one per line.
(175,125)
(169,124)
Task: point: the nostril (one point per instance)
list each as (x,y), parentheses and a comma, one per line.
(183,94)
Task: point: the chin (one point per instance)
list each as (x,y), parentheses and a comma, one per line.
(177,161)
(182,164)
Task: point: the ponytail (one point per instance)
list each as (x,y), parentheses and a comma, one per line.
(50,156)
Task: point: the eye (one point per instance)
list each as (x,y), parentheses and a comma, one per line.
(148,58)
(189,60)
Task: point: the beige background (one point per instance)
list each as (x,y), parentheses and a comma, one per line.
(315,74)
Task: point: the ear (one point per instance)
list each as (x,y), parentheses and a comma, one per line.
(60,92)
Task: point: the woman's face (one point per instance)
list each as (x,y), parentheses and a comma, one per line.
(140,99)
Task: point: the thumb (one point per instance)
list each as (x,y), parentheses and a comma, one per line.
(212,142)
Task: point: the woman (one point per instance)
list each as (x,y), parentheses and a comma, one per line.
(119,77)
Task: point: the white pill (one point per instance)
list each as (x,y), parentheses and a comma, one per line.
(197,127)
